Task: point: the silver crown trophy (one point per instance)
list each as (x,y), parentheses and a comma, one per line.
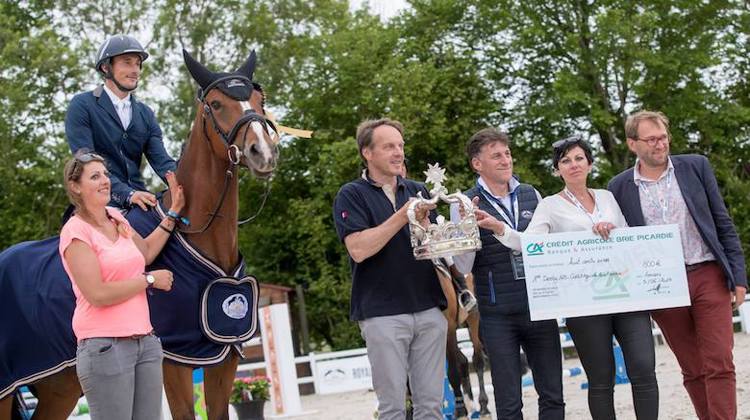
(442,240)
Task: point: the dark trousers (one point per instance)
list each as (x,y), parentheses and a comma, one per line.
(503,337)
(592,336)
(702,337)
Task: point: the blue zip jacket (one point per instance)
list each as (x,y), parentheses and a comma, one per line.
(92,122)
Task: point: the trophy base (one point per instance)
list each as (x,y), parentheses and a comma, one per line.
(447,248)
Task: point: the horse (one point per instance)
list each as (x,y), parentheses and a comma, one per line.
(452,283)
(230,130)
(454,286)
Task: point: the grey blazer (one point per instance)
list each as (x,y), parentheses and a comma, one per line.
(705,204)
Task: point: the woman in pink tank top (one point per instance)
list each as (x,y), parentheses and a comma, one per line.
(118,357)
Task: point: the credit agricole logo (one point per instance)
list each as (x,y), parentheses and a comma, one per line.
(535,248)
(610,285)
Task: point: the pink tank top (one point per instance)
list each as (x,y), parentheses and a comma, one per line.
(119,260)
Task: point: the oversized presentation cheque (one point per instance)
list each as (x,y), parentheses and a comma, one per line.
(578,273)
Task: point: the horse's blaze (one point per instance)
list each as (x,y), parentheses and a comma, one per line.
(263,158)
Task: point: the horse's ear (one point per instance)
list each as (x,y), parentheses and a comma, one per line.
(201,74)
(248,68)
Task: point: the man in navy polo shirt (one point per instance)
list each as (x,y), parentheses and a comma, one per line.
(396,299)
(110,121)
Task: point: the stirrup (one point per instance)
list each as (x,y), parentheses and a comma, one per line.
(467,301)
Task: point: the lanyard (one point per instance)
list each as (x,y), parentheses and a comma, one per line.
(508,215)
(662,202)
(595,216)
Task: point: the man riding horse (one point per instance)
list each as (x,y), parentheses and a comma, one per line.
(112,122)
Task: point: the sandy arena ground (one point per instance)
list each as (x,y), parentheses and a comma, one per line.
(674,402)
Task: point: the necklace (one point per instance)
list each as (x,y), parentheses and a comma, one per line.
(595,216)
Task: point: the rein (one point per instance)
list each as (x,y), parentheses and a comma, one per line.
(228,175)
(266,193)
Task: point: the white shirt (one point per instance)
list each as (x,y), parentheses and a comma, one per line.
(465,262)
(556,214)
(506,199)
(122,107)
(387,189)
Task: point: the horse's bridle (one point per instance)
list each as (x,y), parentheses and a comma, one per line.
(247,118)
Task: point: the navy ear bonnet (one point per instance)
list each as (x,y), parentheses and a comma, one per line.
(237,88)
(238,85)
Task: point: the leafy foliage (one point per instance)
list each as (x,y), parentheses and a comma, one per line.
(38,67)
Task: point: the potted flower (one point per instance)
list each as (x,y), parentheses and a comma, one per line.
(249,395)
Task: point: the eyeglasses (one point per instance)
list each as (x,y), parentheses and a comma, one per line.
(560,144)
(651,141)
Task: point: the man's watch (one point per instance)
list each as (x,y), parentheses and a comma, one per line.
(150,279)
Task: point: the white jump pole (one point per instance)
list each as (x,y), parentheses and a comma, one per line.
(745,317)
(278,352)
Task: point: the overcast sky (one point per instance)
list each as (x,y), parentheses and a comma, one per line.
(385,8)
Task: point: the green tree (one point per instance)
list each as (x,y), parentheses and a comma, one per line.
(582,66)
(363,68)
(39,73)
(293,242)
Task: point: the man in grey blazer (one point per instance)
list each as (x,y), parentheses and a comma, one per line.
(682,190)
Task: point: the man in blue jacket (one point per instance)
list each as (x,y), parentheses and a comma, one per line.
(681,189)
(110,121)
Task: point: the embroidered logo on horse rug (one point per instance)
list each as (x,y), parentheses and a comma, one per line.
(235,306)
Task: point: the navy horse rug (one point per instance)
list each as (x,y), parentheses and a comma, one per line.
(36,310)
(208,311)
(206,314)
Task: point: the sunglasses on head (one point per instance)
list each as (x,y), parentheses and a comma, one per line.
(83,157)
(87,157)
(567,141)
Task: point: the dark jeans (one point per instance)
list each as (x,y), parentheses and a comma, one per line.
(503,337)
(592,336)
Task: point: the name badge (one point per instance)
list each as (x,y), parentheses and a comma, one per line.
(516,259)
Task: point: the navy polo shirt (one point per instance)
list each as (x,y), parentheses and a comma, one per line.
(390,282)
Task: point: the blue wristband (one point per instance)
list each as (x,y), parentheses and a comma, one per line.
(185,221)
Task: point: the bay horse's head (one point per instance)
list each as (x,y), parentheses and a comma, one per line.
(233,105)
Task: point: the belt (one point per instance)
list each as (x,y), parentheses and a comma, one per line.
(693,267)
(138,336)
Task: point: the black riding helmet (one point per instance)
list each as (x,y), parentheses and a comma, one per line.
(118,45)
